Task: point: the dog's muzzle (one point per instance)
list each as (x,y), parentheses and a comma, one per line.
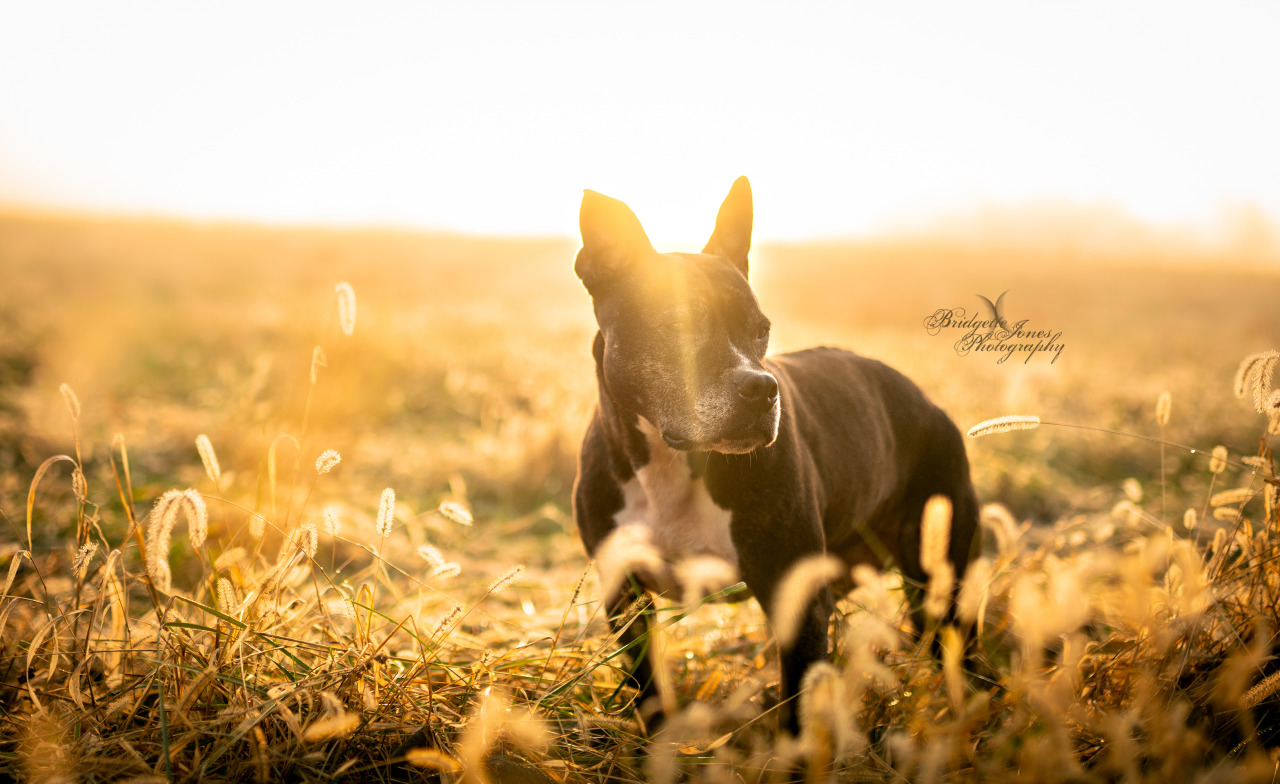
(753,422)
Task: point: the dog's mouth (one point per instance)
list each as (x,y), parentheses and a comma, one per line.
(740,435)
(683,444)
(739,444)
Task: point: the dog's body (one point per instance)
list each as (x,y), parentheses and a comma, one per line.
(717,451)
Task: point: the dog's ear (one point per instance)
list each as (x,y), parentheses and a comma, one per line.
(612,238)
(732,237)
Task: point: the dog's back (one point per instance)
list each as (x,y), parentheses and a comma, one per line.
(879,449)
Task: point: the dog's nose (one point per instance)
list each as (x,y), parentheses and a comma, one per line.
(757,386)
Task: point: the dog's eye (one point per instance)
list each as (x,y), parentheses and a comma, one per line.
(762,332)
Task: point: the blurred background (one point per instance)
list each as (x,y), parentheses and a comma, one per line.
(181,187)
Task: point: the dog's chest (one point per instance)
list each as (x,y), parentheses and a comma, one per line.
(682,519)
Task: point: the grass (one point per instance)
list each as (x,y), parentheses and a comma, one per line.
(314,629)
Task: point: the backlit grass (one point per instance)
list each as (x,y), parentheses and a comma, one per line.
(371,572)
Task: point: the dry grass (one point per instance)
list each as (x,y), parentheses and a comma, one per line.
(304,624)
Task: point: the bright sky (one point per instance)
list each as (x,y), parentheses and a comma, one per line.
(491,117)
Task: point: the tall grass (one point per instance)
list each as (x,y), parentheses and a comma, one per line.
(304,625)
(255,658)
(1132,651)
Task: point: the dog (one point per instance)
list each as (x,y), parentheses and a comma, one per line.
(715,450)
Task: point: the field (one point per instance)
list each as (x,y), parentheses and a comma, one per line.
(305,625)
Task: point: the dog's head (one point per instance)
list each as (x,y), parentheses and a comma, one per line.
(683,335)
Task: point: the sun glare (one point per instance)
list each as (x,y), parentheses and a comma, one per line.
(491,117)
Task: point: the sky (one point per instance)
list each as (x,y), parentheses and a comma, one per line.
(492,117)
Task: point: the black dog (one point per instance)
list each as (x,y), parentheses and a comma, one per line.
(719,451)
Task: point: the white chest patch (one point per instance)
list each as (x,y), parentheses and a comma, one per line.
(683,524)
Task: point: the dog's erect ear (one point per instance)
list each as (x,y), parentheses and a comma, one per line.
(732,237)
(612,238)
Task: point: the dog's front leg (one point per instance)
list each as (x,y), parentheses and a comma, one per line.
(764,566)
(810,645)
(629,611)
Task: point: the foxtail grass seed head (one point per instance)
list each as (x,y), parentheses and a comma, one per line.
(197,517)
(506,579)
(1264,689)
(307,539)
(941,584)
(332,704)
(1132,489)
(446,621)
(1240,384)
(226,596)
(1219,540)
(1163,405)
(347,607)
(1253,461)
(825,718)
(445,571)
(163,517)
(628,549)
(83,556)
(72,402)
(935,533)
(998,519)
(159,532)
(327,460)
(257,526)
(346,307)
(330,727)
(1226,514)
(796,592)
(431,555)
(634,609)
(1004,424)
(162,575)
(78,485)
(318,360)
(455,513)
(1262,382)
(1239,495)
(1103,531)
(209,458)
(1052,601)
(1189,519)
(386,512)
(977,579)
(431,758)
(703,575)
(492,717)
(161,523)
(1270,500)
(1218,460)
(1254,376)
(589,721)
(332,525)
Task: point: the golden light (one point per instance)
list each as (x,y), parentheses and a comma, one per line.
(491,117)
